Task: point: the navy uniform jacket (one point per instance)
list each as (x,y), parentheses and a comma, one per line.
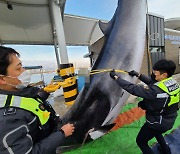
(152,103)
(21,132)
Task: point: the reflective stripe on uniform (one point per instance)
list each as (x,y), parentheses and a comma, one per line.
(171,87)
(155,122)
(28,104)
(163,95)
(32,121)
(13,131)
(2,100)
(33,106)
(16,101)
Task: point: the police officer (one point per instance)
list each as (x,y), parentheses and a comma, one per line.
(28,122)
(161,98)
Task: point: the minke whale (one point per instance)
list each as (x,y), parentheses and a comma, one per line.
(99,103)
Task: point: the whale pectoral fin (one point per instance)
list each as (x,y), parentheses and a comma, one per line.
(106,128)
(100,131)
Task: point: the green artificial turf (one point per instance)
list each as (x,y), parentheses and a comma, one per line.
(128,107)
(121,141)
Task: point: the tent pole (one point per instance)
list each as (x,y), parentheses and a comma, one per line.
(56,14)
(57,55)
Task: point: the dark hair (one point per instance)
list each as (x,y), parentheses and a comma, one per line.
(165,66)
(5,53)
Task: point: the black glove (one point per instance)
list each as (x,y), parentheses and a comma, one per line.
(142,105)
(133,73)
(112,74)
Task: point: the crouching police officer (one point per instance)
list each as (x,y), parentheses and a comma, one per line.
(161,98)
(28,122)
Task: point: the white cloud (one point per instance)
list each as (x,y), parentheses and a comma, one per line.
(166,8)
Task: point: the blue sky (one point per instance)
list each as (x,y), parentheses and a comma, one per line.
(99,9)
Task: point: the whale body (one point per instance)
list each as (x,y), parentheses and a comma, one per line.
(99,103)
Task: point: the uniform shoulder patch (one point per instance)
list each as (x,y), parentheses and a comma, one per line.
(9,111)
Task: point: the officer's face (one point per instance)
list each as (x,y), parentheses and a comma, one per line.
(159,76)
(14,70)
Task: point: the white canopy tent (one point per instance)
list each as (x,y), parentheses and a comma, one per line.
(173,23)
(81,30)
(40,22)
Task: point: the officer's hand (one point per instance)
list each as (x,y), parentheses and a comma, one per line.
(113,74)
(142,105)
(68,129)
(133,73)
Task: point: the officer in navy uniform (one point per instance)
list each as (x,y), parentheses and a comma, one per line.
(160,101)
(28,122)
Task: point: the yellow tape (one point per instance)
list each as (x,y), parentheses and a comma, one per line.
(67,71)
(69,103)
(70,93)
(69,82)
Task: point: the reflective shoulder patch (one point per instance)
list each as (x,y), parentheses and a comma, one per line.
(173,87)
